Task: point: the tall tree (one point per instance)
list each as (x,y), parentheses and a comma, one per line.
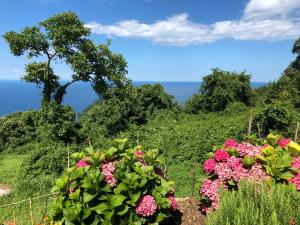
(64,38)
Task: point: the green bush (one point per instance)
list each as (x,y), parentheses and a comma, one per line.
(258,204)
(46,161)
(220,89)
(17,129)
(110,186)
(110,116)
(273,117)
(56,122)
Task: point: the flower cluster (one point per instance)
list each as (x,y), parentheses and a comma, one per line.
(108,169)
(81,163)
(226,170)
(173,202)
(146,206)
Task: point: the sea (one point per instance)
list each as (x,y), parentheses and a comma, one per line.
(20,96)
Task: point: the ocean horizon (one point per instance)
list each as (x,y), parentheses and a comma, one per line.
(21,96)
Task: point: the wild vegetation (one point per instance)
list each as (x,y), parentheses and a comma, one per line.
(35,145)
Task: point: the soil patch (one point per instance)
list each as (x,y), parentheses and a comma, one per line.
(188,213)
(5,190)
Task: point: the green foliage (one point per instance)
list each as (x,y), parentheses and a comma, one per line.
(277,160)
(183,138)
(258,204)
(64,37)
(46,161)
(220,89)
(56,122)
(273,117)
(17,129)
(110,116)
(85,196)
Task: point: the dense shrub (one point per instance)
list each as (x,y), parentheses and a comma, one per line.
(110,116)
(17,129)
(220,89)
(46,161)
(119,185)
(56,122)
(276,160)
(273,117)
(183,139)
(258,204)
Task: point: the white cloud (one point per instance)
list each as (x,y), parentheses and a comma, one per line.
(262,9)
(263,20)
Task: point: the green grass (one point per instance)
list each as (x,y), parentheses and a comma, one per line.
(9,167)
(258,204)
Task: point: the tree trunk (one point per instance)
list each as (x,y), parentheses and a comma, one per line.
(60,92)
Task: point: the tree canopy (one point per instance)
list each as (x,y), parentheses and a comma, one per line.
(64,38)
(219,89)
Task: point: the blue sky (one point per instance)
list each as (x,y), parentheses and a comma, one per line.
(172,40)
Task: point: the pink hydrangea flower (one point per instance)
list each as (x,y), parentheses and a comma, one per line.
(296,181)
(140,159)
(223,171)
(283,142)
(146,206)
(81,163)
(210,190)
(230,143)
(248,149)
(209,165)
(173,202)
(296,163)
(139,153)
(221,155)
(258,173)
(108,170)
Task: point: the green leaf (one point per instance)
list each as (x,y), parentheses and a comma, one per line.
(60,183)
(89,194)
(101,208)
(286,175)
(116,200)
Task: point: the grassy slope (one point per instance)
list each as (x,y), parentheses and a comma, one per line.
(186,139)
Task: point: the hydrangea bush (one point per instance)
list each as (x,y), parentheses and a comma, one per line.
(120,185)
(273,160)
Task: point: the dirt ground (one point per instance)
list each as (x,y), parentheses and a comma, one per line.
(188,213)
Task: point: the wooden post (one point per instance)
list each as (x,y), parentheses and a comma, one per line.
(258,129)
(14,214)
(296,133)
(194,178)
(31,213)
(250,124)
(68,149)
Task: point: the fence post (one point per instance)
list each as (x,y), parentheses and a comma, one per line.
(250,124)
(14,214)
(194,178)
(31,213)
(296,133)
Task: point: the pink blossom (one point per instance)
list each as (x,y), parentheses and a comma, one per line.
(248,149)
(230,143)
(223,171)
(258,173)
(234,163)
(146,206)
(210,190)
(108,169)
(209,165)
(140,159)
(81,163)
(296,163)
(221,155)
(173,202)
(296,181)
(139,153)
(283,142)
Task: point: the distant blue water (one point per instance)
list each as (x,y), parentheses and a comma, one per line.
(21,96)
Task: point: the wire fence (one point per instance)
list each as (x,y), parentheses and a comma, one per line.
(33,210)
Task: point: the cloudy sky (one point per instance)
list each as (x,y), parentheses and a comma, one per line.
(172,40)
